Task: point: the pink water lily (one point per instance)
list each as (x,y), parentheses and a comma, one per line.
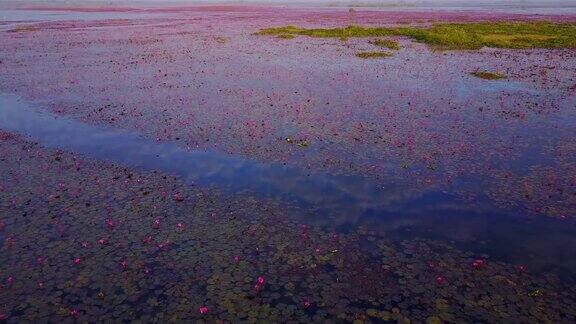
(306,303)
(440,280)
(179,226)
(178,197)
(102,241)
(259,283)
(84,244)
(521,268)
(74,312)
(76,261)
(109,223)
(203,310)
(164,245)
(478,263)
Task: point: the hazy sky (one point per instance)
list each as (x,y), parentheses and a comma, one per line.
(463,3)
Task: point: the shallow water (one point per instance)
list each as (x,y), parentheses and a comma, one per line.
(338,202)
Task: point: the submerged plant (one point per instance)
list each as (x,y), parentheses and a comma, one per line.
(366,55)
(487,75)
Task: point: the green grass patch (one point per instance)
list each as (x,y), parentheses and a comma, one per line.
(285,36)
(387,43)
(455,36)
(488,75)
(366,55)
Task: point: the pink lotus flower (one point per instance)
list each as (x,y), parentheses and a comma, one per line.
(179,226)
(84,244)
(260,280)
(102,241)
(76,261)
(74,312)
(203,310)
(306,303)
(440,280)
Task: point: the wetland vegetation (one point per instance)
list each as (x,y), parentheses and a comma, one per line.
(455,36)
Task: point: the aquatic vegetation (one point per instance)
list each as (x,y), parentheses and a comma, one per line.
(387,43)
(456,36)
(285,36)
(366,55)
(344,246)
(292,275)
(488,75)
